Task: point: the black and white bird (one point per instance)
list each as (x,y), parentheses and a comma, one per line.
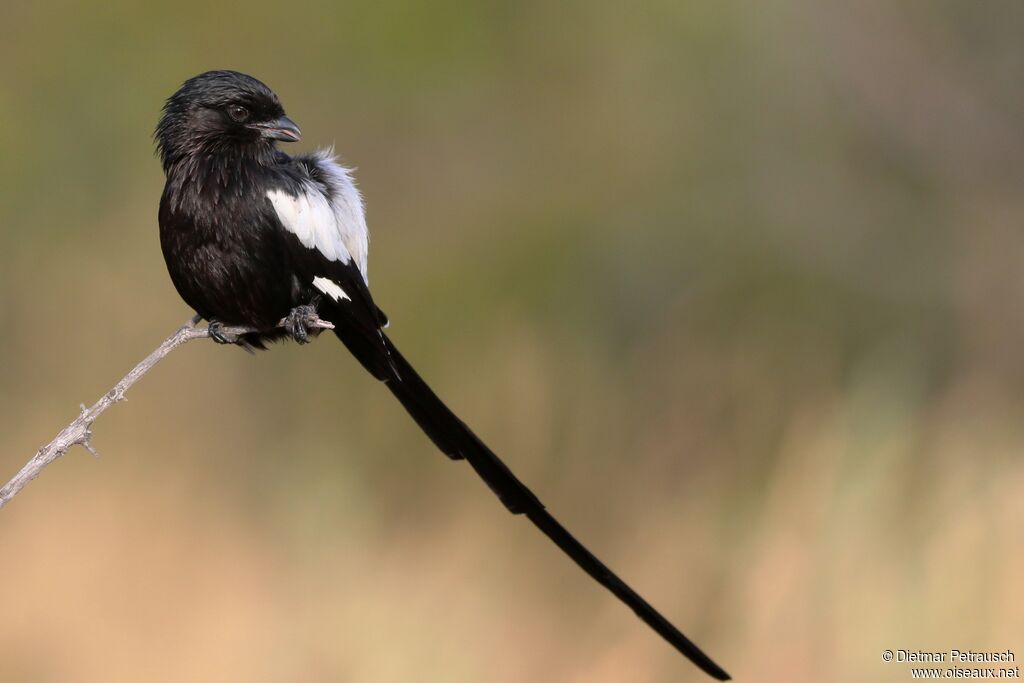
(252,236)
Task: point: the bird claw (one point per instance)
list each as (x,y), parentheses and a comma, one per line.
(300,322)
(216,331)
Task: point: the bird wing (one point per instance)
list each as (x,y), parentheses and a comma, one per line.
(321,213)
(322,207)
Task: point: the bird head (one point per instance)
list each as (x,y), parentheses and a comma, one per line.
(222,112)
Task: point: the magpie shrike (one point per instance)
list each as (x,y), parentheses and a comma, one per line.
(252,236)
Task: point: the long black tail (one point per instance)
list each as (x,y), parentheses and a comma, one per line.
(458,441)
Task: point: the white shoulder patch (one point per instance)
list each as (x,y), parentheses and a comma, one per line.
(347,204)
(330,288)
(312,220)
(330,220)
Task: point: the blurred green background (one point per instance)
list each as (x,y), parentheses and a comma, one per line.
(735,287)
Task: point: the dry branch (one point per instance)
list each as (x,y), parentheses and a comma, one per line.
(80,430)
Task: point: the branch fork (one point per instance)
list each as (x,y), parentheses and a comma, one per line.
(79,432)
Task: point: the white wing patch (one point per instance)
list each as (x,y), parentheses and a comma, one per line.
(347,204)
(330,288)
(312,220)
(328,218)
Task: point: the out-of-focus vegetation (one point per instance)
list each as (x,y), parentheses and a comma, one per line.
(736,287)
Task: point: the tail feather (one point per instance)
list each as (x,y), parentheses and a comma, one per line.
(455,439)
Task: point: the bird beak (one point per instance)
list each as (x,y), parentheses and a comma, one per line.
(283,129)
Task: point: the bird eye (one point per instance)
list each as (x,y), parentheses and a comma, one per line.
(238,112)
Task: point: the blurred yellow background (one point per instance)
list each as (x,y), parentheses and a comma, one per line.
(735,287)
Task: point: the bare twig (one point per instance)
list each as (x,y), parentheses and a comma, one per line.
(80,430)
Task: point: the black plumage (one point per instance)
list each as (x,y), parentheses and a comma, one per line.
(252,235)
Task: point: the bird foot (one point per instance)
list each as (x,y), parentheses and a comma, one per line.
(300,323)
(217,333)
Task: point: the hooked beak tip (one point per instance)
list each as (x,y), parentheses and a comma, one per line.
(283,129)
